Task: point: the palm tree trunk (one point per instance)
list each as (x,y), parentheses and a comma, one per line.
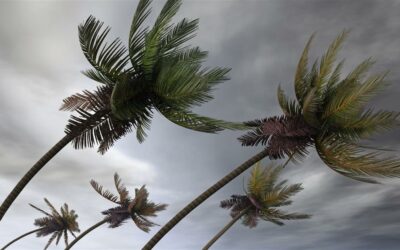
(205,195)
(20,237)
(32,172)
(223,230)
(86,232)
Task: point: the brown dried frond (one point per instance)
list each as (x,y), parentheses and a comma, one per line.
(105,193)
(89,101)
(283,135)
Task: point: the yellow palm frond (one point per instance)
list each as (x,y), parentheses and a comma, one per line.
(289,107)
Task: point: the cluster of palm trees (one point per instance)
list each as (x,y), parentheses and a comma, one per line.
(156,71)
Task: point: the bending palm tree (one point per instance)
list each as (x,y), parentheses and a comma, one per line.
(136,209)
(163,76)
(328,113)
(55,223)
(262,198)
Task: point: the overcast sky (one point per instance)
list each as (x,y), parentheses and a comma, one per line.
(40,64)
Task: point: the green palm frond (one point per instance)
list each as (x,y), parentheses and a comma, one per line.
(328,59)
(196,122)
(279,195)
(104,192)
(289,107)
(349,99)
(182,32)
(137,35)
(184,84)
(311,104)
(154,37)
(351,161)
(368,124)
(275,215)
(108,60)
(300,83)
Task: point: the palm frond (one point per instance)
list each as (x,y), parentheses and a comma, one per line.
(256,183)
(328,59)
(108,59)
(52,208)
(272,213)
(196,122)
(181,82)
(182,32)
(310,107)
(289,107)
(369,123)
(40,210)
(279,197)
(103,192)
(300,84)
(353,162)
(153,38)
(137,35)
(66,237)
(351,95)
(88,101)
(234,200)
(59,235)
(122,191)
(250,219)
(52,238)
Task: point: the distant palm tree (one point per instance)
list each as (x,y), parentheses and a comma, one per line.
(263,197)
(136,209)
(330,114)
(163,76)
(55,223)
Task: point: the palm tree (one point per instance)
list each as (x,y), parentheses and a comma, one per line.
(263,198)
(162,75)
(328,113)
(55,223)
(136,209)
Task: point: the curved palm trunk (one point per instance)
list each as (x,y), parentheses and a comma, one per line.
(32,172)
(20,237)
(84,233)
(223,230)
(205,195)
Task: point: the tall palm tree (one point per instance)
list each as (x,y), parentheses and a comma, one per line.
(137,208)
(263,198)
(55,223)
(329,113)
(163,75)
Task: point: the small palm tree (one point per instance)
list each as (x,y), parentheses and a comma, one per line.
(162,75)
(330,114)
(263,197)
(55,223)
(136,209)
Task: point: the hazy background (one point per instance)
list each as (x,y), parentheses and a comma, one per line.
(40,64)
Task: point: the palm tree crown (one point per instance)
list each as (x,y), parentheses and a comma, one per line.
(137,208)
(330,113)
(263,196)
(162,75)
(56,223)
(156,72)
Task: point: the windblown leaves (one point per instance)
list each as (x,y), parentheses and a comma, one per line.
(262,198)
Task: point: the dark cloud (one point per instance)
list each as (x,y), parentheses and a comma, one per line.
(261,41)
